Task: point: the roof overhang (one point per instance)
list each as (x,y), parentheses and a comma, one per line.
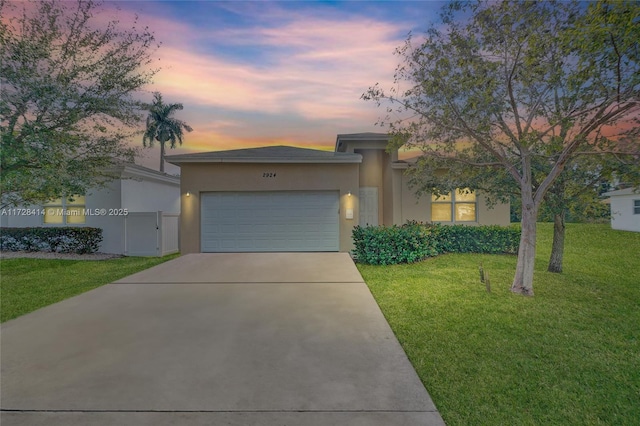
(400,165)
(361,140)
(179,161)
(625,191)
(135,171)
(268,155)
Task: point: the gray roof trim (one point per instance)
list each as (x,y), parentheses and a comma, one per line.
(136,171)
(624,191)
(402,165)
(363,136)
(269,154)
(356,137)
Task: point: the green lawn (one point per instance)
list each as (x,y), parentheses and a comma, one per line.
(30,284)
(568,356)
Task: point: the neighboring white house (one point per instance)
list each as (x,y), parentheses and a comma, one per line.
(138,212)
(625,209)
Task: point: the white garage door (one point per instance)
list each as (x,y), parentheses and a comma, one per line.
(269,221)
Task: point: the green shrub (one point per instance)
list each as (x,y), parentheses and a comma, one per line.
(381,245)
(414,241)
(54,239)
(476,239)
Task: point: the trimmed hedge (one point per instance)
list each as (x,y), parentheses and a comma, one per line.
(414,241)
(476,239)
(381,245)
(59,240)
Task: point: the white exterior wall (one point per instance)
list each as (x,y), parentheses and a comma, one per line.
(107,198)
(147,195)
(104,198)
(622,215)
(11,218)
(138,191)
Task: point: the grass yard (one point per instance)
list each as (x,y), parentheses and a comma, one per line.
(568,356)
(30,284)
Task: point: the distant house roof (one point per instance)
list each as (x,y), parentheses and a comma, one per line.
(135,171)
(625,191)
(269,154)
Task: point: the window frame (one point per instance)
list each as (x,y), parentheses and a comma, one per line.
(636,206)
(450,199)
(63,204)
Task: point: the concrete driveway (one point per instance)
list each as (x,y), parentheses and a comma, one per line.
(214,339)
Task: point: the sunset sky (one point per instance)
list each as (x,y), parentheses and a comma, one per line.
(256,73)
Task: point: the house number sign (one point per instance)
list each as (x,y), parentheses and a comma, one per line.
(268,175)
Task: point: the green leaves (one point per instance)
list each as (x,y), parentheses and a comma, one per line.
(507,96)
(414,241)
(67,107)
(58,240)
(380,245)
(162,127)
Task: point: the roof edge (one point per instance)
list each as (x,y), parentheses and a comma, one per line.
(354,159)
(132,170)
(623,191)
(359,137)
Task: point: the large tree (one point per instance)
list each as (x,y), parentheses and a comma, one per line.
(506,86)
(67,83)
(163,127)
(577,192)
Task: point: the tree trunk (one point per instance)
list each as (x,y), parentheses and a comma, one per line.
(162,156)
(557,249)
(523,280)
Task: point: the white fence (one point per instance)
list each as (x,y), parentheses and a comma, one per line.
(151,234)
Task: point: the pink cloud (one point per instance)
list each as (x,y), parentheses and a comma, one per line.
(321,68)
(318,66)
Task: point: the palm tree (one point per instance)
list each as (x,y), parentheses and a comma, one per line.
(162,127)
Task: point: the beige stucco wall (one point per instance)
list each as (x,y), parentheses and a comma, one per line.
(371,167)
(197,178)
(496,215)
(414,208)
(376,171)
(371,174)
(387,183)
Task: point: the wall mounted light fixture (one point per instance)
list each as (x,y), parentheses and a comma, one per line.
(349,194)
(188,194)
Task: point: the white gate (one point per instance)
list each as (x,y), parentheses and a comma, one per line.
(150,234)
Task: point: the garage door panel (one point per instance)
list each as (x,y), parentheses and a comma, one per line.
(270,221)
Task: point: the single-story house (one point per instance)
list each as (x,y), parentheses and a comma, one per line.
(625,209)
(283,198)
(138,212)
